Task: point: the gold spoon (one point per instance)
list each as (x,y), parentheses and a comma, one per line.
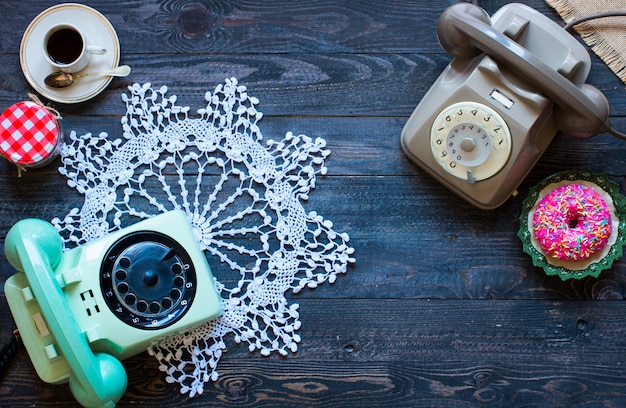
(65,79)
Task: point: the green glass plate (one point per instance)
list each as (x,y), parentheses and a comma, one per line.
(573,270)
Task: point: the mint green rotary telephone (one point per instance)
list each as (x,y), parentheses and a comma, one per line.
(81,311)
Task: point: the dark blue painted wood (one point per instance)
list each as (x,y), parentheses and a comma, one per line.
(442,308)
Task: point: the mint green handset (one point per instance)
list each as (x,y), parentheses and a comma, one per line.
(81,311)
(34,247)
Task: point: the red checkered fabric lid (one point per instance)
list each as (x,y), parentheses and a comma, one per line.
(28,133)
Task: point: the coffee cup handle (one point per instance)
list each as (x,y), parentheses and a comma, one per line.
(96,49)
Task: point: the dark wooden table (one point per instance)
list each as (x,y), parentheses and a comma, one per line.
(442,307)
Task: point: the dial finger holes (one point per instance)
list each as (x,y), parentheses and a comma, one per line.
(148,280)
(177,269)
(124,262)
(155,307)
(179,281)
(166,303)
(175,294)
(142,306)
(469,138)
(122,288)
(130,299)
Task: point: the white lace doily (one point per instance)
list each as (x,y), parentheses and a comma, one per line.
(243,199)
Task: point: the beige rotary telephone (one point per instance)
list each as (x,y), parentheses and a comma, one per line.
(515,80)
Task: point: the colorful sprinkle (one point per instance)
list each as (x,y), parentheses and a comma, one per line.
(572,222)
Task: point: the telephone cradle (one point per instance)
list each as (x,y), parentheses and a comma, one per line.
(516,79)
(81,311)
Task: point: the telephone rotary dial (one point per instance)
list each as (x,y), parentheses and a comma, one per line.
(516,79)
(470,140)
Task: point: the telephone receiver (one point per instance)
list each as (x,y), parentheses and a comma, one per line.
(34,247)
(516,79)
(464,30)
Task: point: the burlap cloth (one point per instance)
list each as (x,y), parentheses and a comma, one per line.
(606,36)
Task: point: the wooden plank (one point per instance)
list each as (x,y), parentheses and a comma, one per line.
(401,353)
(286,84)
(368,147)
(245,26)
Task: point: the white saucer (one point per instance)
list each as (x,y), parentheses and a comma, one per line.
(98,31)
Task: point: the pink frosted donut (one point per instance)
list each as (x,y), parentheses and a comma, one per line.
(572,222)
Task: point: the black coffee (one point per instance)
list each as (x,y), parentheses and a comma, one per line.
(64,46)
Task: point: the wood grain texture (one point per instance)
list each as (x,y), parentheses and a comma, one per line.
(248,26)
(407,353)
(442,308)
(287,84)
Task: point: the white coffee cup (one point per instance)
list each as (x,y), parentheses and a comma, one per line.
(65,48)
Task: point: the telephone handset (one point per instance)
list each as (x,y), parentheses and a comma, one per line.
(515,80)
(97,379)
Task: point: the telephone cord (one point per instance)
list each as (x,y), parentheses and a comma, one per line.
(9,350)
(583,19)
